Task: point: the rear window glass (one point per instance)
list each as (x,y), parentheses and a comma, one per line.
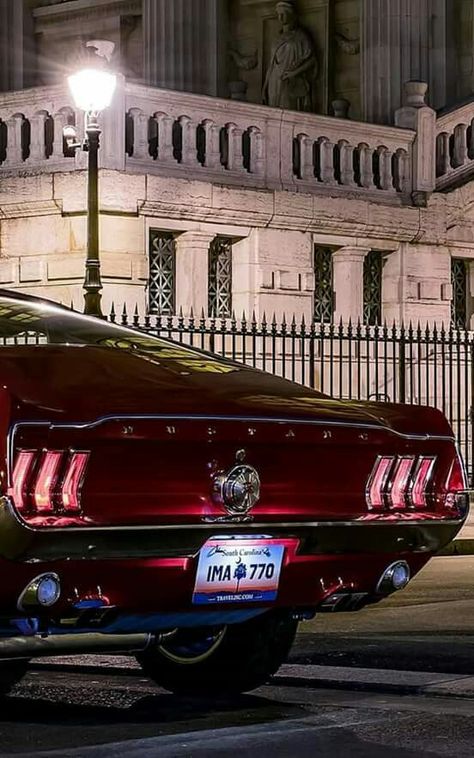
(29,323)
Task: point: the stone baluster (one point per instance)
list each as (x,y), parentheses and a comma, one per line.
(443,158)
(257,151)
(235,158)
(306,162)
(140,134)
(460,145)
(366,166)
(38,136)
(346,163)
(60,120)
(212,155)
(385,168)
(326,161)
(165,138)
(188,142)
(401,174)
(470,141)
(14,140)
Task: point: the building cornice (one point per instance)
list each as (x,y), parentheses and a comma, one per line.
(64,13)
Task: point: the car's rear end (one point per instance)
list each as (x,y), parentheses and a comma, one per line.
(123,509)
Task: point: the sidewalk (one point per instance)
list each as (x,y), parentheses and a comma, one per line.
(464,542)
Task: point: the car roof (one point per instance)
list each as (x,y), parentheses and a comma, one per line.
(14,295)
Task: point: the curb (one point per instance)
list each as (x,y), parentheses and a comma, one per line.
(458,547)
(348,678)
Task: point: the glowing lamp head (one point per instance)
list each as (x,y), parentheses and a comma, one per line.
(92,89)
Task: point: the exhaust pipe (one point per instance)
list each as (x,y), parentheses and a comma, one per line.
(72,644)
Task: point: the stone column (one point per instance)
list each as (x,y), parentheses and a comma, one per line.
(185,45)
(192,255)
(348,283)
(11,45)
(402,40)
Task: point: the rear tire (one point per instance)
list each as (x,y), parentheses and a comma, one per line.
(221,661)
(11,672)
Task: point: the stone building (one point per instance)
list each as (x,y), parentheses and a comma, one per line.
(310,158)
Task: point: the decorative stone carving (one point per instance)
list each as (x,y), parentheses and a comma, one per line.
(238,87)
(293,64)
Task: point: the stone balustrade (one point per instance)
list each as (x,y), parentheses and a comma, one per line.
(455,146)
(149,130)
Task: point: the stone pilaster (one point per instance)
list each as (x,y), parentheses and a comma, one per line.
(348,283)
(192,255)
(402,41)
(11,45)
(185,45)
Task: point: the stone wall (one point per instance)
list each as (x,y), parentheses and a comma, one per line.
(42,243)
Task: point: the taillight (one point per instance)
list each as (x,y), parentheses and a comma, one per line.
(378,481)
(72,482)
(457,497)
(48,482)
(401,482)
(421,479)
(21,475)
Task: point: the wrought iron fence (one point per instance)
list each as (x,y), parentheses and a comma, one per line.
(402,364)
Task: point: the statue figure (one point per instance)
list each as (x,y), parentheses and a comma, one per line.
(293,64)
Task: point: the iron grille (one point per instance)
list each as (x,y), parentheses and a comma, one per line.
(161,293)
(323,285)
(373,267)
(220,277)
(459,300)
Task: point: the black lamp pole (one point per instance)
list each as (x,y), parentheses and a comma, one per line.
(92,281)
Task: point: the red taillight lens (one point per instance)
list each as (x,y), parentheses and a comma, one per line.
(46,481)
(21,474)
(457,497)
(400,482)
(421,481)
(72,482)
(378,482)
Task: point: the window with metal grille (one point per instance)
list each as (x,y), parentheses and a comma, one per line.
(373,268)
(459,305)
(161,292)
(220,277)
(323,285)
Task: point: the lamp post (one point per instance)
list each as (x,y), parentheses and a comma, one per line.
(92,88)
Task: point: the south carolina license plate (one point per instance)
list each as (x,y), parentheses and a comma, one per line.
(238,571)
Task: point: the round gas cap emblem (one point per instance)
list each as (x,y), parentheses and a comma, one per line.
(237,490)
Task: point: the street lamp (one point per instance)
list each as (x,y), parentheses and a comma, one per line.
(92,89)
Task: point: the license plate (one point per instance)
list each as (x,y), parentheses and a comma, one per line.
(238,571)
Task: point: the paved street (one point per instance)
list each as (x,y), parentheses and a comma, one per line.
(393,681)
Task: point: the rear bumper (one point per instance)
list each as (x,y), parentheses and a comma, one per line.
(139,571)
(20,543)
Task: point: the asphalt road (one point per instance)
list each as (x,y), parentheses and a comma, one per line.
(393,681)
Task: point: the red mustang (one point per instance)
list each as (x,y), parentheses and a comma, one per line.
(158,500)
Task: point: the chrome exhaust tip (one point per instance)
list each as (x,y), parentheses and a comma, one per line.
(41,592)
(394,578)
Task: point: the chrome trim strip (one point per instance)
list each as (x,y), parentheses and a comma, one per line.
(204,417)
(254,525)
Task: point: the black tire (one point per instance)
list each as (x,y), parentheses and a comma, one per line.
(10,674)
(238,658)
